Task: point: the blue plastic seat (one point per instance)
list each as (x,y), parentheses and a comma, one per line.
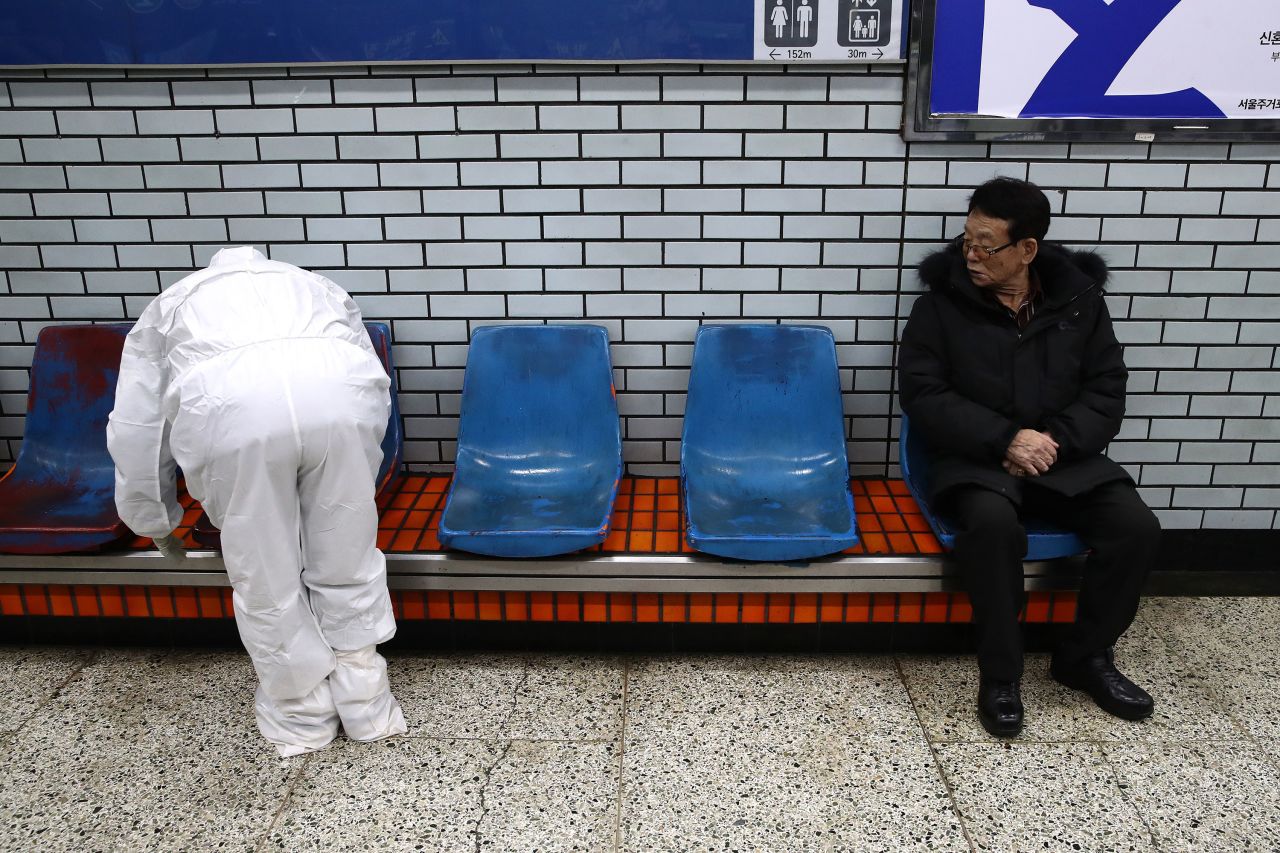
(392,466)
(1044,541)
(539,443)
(393,439)
(59,496)
(763,457)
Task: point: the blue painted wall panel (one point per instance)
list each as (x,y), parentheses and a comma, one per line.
(207,32)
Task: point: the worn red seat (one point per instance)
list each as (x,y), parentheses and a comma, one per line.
(59,496)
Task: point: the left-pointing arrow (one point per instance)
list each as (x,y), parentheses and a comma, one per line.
(773,54)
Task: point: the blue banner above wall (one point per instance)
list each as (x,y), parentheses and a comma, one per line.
(255,32)
(215,32)
(1139,59)
(210,32)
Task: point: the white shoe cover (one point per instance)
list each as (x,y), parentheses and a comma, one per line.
(297,725)
(362,694)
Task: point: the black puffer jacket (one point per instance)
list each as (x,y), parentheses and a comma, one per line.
(970,380)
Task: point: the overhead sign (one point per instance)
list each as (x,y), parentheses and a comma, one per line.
(1145,59)
(830,30)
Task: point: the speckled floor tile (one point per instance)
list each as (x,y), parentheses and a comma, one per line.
(726,790)
(1250,697)
(1251,694)
(1209,796)
(423,794)
(1223,639)
(769,697)
(1214,632)
(778,753)
(143,751)
(1232,645)
(29,676)
(945,689)
(547,697)
(1035,796)
(1263,725)
(161,692)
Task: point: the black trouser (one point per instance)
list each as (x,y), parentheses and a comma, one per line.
(1120,530)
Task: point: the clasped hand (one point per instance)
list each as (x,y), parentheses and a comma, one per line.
(1030,454)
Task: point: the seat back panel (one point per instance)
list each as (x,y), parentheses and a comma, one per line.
(539,442)
(763,451)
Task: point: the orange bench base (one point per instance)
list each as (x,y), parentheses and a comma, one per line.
(648,520)
(187,602)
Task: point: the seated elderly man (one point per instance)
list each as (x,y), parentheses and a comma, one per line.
(1011,373)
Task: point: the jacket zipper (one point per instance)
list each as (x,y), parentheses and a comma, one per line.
(1066,305)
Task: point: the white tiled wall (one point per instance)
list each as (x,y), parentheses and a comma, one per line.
(647,199)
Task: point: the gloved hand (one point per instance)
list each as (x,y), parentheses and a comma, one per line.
(171,546)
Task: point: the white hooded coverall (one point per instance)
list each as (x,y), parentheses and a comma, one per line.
(259,380)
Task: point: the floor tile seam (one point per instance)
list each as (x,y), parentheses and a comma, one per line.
(1124,794)
(57,691)
(937,760)
(1101,743)
(525,670)
(1271,758)
(508,743)
(870,741)
(503,738)
(285,801)
(1229,709)
(747,741)
(1248,735)
(622,757)
(484,785)
(1189,665)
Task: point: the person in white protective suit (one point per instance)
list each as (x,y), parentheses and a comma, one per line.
(259,380)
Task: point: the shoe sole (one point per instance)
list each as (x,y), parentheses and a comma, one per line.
(1123,712)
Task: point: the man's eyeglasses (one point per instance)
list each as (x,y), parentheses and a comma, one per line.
(966,247)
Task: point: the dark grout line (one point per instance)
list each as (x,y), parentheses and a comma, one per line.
(484,808)
(622,754)
(515,697)
(1228,708)
(937,762)
(507,743)
(90,658)
(505,739)
(1124,794)
(1100,745)
(284,803)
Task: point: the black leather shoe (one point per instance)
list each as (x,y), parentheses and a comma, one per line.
(1097,675)
(1000,707)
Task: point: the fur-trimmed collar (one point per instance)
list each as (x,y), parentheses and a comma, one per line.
(1064,273)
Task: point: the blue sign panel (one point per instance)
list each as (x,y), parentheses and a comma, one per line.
(210,32)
